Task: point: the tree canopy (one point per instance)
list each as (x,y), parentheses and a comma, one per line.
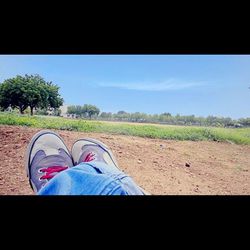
(87,110)
(29,91)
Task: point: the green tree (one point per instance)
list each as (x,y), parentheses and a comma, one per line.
(12,93)
(35,91)
(84,110)
(121,112)
(122,115)
(105,115)
(29,91)
(78,110)
(87,110)
(166,114)
(75,110)
(245,122)
(92,110)
(54,100)
(71,109)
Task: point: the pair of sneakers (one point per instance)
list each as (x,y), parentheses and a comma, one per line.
(47,155)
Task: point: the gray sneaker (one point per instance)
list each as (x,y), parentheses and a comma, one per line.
(46,156)
(88,149)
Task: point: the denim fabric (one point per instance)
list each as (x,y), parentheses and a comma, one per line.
(93,178)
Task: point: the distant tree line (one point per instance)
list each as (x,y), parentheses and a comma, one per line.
(167,118)
(164,118)
(85,111)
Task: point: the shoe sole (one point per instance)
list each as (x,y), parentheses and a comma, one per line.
(30,146)
(100,144)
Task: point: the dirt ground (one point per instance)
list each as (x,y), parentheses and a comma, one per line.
(162,167)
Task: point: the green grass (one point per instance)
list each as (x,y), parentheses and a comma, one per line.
(238,136)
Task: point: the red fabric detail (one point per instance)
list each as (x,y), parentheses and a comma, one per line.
(50,172)
(89,157)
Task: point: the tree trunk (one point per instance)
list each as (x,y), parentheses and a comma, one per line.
(21,110)
(31,110)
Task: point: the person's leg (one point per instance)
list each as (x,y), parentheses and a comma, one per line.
(83,179)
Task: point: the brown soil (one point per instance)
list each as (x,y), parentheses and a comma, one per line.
(159,166)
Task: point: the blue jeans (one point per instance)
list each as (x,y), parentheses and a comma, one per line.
(95,178)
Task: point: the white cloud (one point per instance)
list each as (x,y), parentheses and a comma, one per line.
(171,84)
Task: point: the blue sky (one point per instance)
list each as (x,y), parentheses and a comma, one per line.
(186,84)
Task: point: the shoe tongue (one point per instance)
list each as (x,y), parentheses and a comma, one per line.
(60,159)
(53,160)
(96,151)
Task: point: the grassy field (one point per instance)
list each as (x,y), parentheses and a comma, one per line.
(238,136)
